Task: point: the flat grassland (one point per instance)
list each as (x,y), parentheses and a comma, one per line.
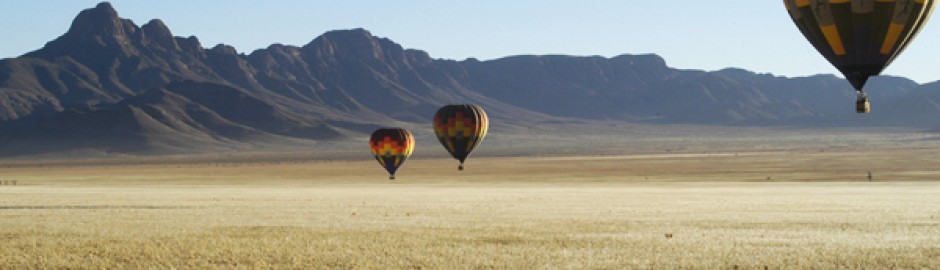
(750,209)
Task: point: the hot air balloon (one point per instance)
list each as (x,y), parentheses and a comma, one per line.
(391,146)
(460,128)
(860,37)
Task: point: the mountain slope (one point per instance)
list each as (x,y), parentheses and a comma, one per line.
(182,117)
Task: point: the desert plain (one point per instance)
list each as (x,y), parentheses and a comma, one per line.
(793,206)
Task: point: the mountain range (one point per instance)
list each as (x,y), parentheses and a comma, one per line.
(111,85)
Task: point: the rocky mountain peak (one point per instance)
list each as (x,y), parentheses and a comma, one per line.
(158,33)
(224,49)
(350,35)
(353,43)
(94,31)
(190,45)
(100,20)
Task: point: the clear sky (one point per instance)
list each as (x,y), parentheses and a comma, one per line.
(753,34)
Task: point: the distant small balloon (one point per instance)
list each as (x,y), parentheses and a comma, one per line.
(391,147)
(460,129)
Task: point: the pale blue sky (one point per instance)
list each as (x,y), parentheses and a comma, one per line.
(710,35)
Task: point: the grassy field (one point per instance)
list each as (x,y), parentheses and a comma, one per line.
(800,208)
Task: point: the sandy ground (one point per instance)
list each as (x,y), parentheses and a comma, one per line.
(806,208)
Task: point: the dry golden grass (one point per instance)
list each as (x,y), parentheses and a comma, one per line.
(816,211)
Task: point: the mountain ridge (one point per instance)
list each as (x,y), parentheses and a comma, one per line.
(345,81)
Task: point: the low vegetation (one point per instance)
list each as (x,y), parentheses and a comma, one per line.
(707,210)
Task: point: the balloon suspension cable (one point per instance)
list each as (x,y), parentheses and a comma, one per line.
(391,177)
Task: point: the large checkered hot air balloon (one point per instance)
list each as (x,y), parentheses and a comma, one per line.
(460,128)
(860,37)
(391,147)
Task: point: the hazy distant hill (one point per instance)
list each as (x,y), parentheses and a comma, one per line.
(111,85)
